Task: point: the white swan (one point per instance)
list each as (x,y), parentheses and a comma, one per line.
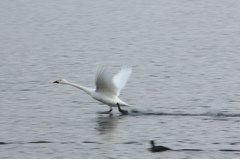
(107,87)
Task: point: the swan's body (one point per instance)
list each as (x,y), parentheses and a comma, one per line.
(107,88)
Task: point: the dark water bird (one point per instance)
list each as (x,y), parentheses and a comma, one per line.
(163,148)
(158,148)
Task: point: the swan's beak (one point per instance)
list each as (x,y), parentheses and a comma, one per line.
(56,81)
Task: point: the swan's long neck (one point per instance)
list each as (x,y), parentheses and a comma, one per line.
(85,89)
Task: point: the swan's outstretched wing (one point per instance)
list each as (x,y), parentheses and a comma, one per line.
(112,86)
(121,78)
(104,83)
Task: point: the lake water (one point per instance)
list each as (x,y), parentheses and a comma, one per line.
(185,58)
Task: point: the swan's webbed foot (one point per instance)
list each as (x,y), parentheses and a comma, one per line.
(121,110)
(106,112)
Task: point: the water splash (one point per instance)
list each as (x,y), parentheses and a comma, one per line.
(218,105)
(141,106)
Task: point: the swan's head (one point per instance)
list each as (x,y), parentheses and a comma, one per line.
(62,81)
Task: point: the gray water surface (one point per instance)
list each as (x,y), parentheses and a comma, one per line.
(185,59)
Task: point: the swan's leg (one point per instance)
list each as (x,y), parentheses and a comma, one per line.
(106,112)
(121,110)
(110,110)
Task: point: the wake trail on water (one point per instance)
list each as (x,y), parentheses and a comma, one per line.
(216,108)
(138,113)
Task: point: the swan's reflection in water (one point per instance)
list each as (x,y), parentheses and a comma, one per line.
(106,123)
